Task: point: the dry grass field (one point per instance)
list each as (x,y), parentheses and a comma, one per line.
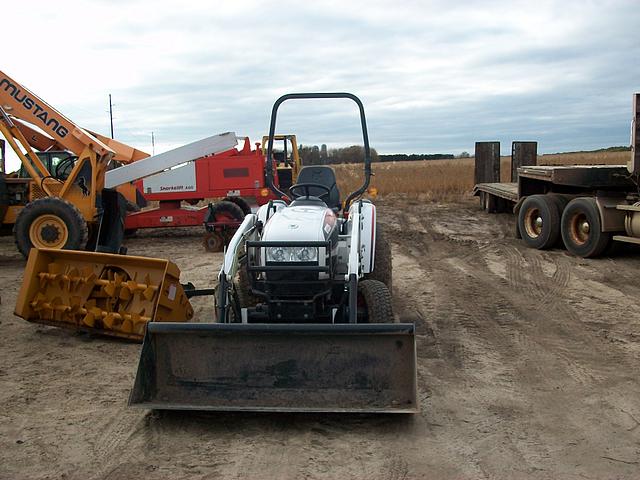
(447,179)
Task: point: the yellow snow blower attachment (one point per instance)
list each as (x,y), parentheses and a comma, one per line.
(104,293)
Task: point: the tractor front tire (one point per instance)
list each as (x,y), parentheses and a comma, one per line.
(376,298)
(50,222)
(382,267)
(243,289)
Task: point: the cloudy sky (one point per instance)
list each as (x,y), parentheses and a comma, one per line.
(435,76)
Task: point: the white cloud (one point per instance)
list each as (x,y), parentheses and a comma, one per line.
(435,76)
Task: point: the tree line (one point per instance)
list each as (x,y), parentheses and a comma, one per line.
(314,155)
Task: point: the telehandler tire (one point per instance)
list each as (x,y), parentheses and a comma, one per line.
(382,268)
(375,297)
(50,222)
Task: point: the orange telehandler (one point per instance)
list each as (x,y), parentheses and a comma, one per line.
(58,199)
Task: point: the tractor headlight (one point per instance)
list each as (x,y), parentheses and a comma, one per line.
(305,254)
(292,254)
(278,254)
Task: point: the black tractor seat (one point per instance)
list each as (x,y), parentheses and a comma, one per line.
(323,175)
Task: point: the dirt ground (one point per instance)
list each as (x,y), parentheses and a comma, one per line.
(528,368)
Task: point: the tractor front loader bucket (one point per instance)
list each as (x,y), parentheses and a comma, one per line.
(277,367)
(104,293)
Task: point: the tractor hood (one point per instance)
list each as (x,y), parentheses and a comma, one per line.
(300,223)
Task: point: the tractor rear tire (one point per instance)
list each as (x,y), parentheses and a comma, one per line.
(382,267)
(581,228)
(50,222)
(539,221)
(377,301)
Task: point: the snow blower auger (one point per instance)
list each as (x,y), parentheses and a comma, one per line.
(304,318)
(102,293)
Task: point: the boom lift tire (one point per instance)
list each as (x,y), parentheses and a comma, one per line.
(377,301)
(226,211)
(383,270)
(50,222)
(539,221)
(241,202)
(581,228)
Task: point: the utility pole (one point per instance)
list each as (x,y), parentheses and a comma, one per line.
(153,144)
(111,115)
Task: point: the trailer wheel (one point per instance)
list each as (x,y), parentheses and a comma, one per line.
(241,202)
(539,221)
(374,302)
(50,222)
(581,228)
(382,268)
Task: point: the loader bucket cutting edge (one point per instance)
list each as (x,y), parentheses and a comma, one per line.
(277,367)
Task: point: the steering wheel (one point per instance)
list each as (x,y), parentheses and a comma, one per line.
(306,187)
(63,169)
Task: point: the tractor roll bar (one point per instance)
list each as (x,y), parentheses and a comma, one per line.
(365,138)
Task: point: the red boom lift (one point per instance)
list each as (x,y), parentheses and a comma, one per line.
(235,176)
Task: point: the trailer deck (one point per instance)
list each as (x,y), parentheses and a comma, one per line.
(498,197)
(507,191)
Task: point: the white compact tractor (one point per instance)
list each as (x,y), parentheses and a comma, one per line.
(304,313)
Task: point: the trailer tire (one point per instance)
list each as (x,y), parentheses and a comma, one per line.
(241,202)
(375,297)
(581,228)
(539,221)
(383,265)
(50,222)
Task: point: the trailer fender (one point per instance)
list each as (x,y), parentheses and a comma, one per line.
(611,219)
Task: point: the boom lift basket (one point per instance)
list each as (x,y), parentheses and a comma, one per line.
(105,293)
(277,367)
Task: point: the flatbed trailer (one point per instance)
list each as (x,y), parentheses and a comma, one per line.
(586,207)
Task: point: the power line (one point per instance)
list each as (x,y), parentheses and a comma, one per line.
(111,115)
